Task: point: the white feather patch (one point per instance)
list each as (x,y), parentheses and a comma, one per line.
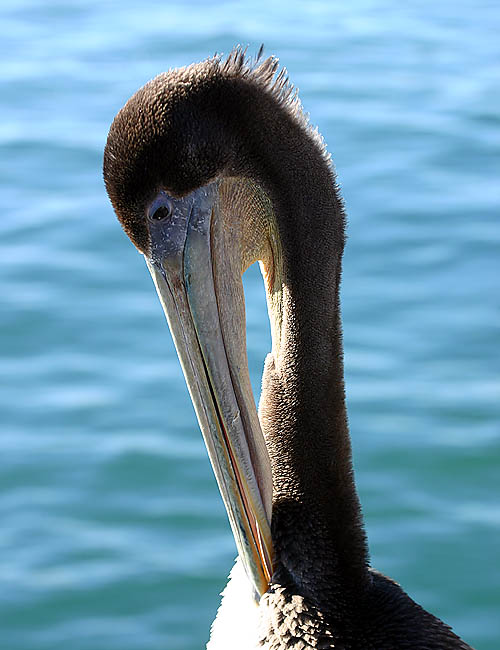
(238,618)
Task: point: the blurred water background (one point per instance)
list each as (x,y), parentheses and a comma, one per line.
(113,535)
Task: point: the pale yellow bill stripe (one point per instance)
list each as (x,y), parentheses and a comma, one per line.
(193,318)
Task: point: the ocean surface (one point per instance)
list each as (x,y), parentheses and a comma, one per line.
(113,534)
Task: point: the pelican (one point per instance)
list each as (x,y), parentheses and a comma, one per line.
(211,168)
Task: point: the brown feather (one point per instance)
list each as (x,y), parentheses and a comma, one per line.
(242,118)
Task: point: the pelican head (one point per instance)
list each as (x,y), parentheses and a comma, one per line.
(188,169)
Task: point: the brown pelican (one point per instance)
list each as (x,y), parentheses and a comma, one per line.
(211,168)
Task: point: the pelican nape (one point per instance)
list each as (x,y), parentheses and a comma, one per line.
(211,168)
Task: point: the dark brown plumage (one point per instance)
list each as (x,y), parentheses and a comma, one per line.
(231,118)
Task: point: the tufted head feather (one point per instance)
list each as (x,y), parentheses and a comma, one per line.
(189,125)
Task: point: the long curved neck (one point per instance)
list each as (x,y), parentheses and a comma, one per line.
(317,525)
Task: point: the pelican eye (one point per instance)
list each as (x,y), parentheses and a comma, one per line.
(162,212)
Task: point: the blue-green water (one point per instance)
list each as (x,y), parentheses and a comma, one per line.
(113,535)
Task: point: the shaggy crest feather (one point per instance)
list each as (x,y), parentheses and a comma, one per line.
(272,79)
